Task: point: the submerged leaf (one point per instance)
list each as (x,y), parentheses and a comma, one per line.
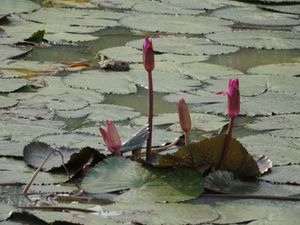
(207,153)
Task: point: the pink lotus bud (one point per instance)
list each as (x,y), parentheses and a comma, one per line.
(111,138)
(148,55)
(233,101)
(184,115)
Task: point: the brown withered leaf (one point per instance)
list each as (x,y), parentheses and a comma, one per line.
(208,153)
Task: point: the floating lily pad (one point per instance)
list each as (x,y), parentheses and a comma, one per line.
(275,122)
(102,82)
(144,183)
(161,8)
(120,4)
(6,102)
(185,46)
(284,174)
(8,148)
(286,133)
(67,102)
(125,54)
(249,85)
(176,24)
(70,37)
(8,52)
(16,171)
(17,6)
(5,210)
(256,16)
(291,9)
(281,150)
(71,140)
(283,69)
(157,214)
(265,105)
(258,39)
(163,81)
(203,71)
(282,84)
(10,85)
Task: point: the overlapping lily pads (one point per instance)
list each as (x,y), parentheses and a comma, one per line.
(176,24)
(6,102)
(256,16)
(8,52)
(258,39)
(291,9)
(283,69)
(185,46)
(119,4)
(10,85)
(17,6)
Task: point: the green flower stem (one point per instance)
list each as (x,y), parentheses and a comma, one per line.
(186,138)
(150,115)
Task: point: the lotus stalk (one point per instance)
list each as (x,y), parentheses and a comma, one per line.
(111,138)
(184,119)
(148,61)
(233,109)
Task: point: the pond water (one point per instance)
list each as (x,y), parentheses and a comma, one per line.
(46,97)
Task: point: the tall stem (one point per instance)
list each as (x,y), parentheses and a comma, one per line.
(226,144)
(186,138)
(150,115)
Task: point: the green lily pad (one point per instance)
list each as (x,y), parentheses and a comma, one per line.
(164,82)
(8,52)
(176,24)
(71,140)
(282,84)
(257,39)
(278,1)
(17,6)
(275,122)
(157,214)
(256,16)
(15,149)
(286,133)
(122,53)
(67,102)
(119,4)
(148,184)
(265,105)
(5,210)
(291,9)
(102,82)
(282,151)
(6,102)
(249,85)
(284,174)
(283,69)
(203,71)
(70,37)
(185,46)
(161,8)
(16,171)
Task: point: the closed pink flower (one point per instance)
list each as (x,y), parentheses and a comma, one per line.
(233,101)
(111,138)
(184,115)
(148,55)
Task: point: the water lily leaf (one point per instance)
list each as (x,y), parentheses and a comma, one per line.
(199,121)
(203,71)
(8,52)
(157,214)
(36,152)
(286,133)
(282,84)
(122,53)
(185,46)
(249,85)
(70,37)
(144,183)
(36,36)
(283,69)
(6,102)
(99,80)
(208,152)
(265,105)
(17,6)
(16,171)
(256,16)
(291,9)
(5,209)
(71,140)
(10,85)
(161,81)
(67,102)
(12,149)
(161,8)
(281,150)
(85,4)
(119,4)
(283,174)
(194,97)
(275,122)
(257,39)
(178,24)
(278,1)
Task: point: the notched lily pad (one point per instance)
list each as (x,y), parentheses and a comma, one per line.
(142,183)
(36,152)
(5,210)
(11,85)
(6,102)
(8,52)
(284,174)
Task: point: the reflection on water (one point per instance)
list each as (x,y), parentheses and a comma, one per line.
(247,58)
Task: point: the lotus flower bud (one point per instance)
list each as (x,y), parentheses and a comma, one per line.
(233,101)
(148,55)
(184,115)
(111,138)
